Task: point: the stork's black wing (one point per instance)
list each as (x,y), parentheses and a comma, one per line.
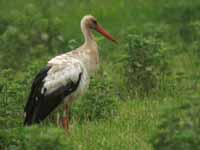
(35,94)
(39,104)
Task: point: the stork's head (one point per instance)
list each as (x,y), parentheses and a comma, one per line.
(90,22)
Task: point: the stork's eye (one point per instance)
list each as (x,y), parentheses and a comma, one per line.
(94,21)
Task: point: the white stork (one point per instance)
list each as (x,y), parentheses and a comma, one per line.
(65,77)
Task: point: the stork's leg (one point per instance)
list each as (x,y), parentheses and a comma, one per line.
(58,119)
(66,117)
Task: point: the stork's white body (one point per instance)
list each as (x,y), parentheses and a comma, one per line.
(68,66)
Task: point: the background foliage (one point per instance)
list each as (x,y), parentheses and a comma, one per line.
(150,75)
(146,64)
(180,131)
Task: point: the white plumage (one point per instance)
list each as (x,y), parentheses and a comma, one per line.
(65,69)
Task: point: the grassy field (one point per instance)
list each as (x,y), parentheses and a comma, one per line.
(132,128)
(153,72)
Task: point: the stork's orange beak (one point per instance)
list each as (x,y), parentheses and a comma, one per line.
(101,30)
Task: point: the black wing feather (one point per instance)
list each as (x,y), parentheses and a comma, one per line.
(35,93)
(45,104)
(37,82)
(51,101)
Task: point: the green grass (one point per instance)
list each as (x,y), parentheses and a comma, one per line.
(132,128)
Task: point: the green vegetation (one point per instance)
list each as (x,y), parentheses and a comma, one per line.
(99,102)
(144,96)
(180,131)
(146,64)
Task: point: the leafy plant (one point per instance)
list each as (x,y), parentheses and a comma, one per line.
(99,102)
(31,33)
(146,64)
(33,138)
(179,128)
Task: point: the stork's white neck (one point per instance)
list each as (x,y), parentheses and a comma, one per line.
(87,32)
(89,48)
